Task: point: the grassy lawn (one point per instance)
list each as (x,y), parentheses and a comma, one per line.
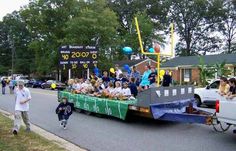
(24,141)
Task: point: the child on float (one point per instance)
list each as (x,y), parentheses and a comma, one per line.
(109,90)
(117,90)
(133,87)
(126,93)
(232,90)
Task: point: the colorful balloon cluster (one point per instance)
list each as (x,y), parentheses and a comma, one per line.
(156,49)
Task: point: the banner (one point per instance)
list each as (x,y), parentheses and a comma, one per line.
(115,108)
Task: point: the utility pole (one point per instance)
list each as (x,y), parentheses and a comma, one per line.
(12,46)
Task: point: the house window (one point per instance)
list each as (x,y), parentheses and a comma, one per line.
(187,75)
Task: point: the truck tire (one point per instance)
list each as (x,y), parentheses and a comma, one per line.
(198,100)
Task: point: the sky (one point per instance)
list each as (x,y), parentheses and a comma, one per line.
(8,6)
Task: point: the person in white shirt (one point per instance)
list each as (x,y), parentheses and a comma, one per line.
(118,71)
(126,90)
(23,97)
(117,90)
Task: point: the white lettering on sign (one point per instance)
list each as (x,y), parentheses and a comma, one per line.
(174,92)
(182,91)
(190,90)
(166,92)
(158,93)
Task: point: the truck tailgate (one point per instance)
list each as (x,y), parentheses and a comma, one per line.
(227,111)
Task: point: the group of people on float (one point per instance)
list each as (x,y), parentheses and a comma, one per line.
(123,86)
(227,88)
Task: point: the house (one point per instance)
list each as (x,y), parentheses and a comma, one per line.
(185,69)
(140,64)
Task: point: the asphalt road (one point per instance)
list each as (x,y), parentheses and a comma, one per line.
(105,134)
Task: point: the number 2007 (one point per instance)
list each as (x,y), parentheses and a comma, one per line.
(79,54)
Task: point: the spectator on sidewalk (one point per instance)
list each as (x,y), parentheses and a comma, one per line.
(4,83)
(23,97)
(11,86)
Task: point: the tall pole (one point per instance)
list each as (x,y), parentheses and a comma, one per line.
(12,57)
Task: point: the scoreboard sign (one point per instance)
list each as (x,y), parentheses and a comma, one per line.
(74,57)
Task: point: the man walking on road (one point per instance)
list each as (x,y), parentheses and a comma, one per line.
(21,107)
(4,83)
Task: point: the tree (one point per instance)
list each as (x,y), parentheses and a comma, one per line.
(96,24)
(15,37)
(228,25)
(195,22)
(46,20)
(206,71)
(221,70)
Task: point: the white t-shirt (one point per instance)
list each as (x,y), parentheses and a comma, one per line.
(117,90)
(78,86)
(110,89)
(118,72)
(22,95)
(126,92)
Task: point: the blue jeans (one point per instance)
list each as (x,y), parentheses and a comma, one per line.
(3,90)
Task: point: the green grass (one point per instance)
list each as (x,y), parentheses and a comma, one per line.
(24,141)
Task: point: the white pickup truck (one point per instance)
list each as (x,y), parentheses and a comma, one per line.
(226,111)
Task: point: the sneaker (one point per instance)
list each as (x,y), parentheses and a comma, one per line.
(14,132)
(64,126)
(27,130)
(61,124)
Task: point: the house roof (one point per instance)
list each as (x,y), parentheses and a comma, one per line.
(194,60)
(131,62)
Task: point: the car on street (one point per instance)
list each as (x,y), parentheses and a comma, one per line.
(34,83)
(207,95)
(48,85)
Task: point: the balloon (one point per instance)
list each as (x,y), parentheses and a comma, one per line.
(112,70)
(96,71)
(170,73)
(162,72)
(126,67)
(151,50)
(157,48)
(127,50)
(53,86)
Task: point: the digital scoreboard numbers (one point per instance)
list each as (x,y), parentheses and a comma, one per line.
(74,57)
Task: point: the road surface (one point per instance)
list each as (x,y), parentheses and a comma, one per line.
(110,134)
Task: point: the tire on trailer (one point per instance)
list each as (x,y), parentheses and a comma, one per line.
(198,100)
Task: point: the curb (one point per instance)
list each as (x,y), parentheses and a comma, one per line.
(49,136)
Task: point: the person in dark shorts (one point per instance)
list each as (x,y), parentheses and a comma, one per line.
(64,111)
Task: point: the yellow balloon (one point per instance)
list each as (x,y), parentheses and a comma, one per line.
(53,86)
(170,73)
(112,70)
(162,72)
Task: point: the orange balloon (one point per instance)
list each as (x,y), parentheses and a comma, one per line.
(157,48)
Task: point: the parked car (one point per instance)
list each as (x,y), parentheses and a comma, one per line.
(207,95)
(22,78)
(34,83)
(47,85)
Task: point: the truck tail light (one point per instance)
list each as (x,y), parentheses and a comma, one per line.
(217,106)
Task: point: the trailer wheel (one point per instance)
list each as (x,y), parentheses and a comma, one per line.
(198,100)
(87,112)
(78,110)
